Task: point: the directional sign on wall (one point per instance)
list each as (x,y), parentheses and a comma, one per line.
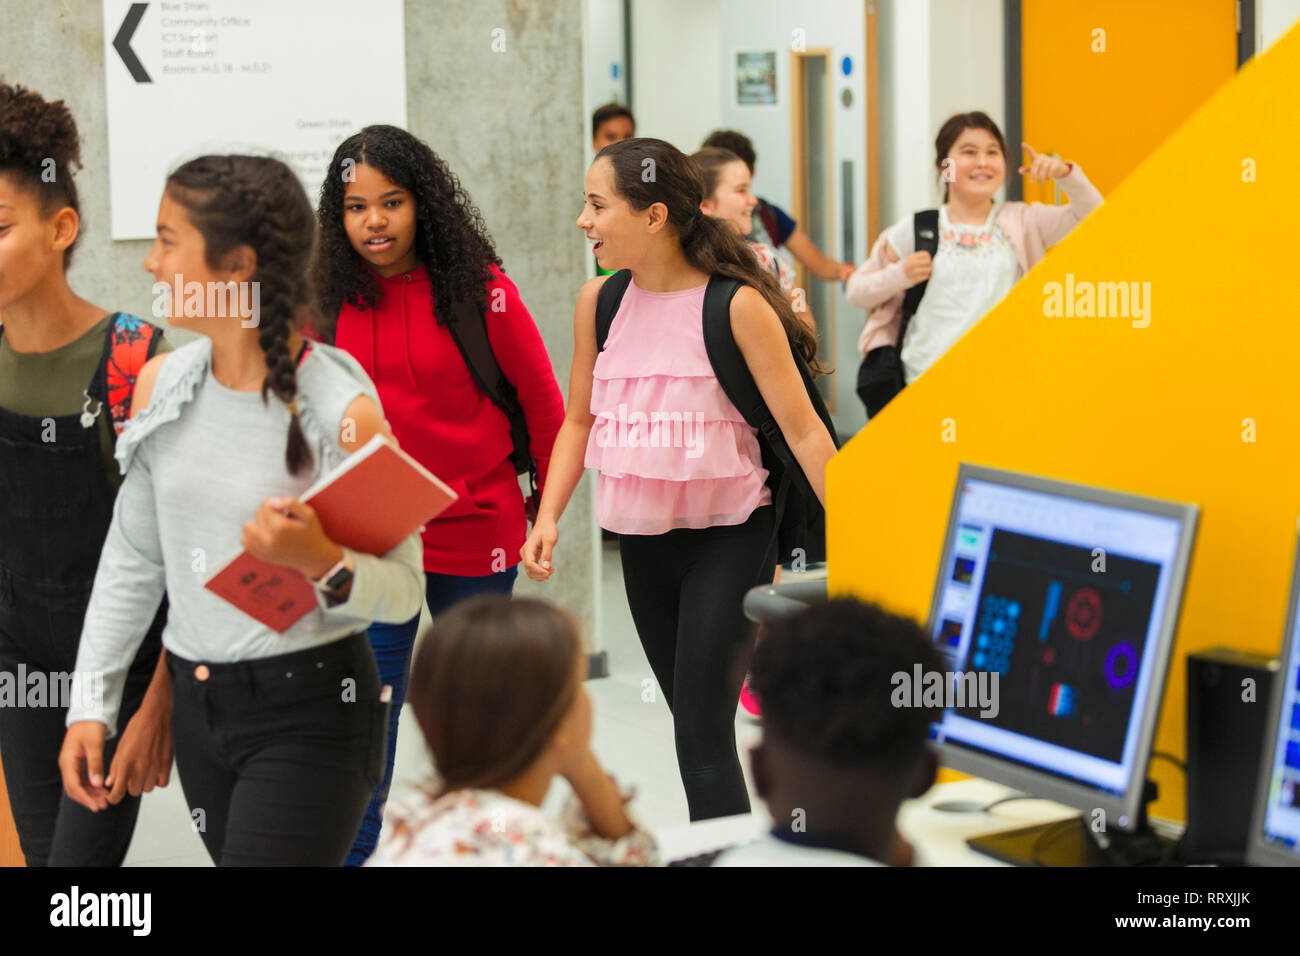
(188,77)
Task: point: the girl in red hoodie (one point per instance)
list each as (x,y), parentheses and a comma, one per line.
(400,244)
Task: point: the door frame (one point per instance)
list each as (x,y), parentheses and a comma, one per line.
(798,184)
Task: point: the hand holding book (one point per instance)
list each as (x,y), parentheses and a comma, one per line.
(288,532)
(378,496)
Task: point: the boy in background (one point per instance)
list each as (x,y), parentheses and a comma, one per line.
(611,123)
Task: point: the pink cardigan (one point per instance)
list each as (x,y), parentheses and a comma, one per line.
(1031,228)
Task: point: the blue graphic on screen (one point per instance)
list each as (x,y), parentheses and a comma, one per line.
(1071,679)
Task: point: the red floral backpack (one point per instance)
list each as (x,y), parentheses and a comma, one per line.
(131,341)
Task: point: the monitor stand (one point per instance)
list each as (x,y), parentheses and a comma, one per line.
(1072,842)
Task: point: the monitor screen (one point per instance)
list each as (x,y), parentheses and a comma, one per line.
(1278,832)
(1062,598)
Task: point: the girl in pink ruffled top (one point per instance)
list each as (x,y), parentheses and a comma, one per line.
(681,476)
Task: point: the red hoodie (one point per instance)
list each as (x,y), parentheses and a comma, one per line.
(445,421)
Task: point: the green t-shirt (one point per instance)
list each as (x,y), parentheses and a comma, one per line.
(51,383)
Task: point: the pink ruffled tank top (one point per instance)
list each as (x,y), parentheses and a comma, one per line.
(671,448)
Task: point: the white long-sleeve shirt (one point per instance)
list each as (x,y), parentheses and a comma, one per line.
(199,461)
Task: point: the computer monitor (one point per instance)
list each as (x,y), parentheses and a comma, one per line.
(1068,596)
(1275,827)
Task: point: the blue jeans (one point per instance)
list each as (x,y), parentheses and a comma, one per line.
(392,644)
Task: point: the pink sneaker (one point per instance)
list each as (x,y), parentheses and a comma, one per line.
(749,701)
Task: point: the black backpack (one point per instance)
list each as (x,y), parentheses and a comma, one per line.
(468,327)
(800,517)
(880,377)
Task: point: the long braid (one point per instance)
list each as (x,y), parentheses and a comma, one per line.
(280,272)
(258,202)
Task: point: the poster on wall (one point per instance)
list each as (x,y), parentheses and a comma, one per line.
(756,78)
(188,77)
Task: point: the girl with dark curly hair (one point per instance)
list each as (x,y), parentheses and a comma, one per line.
(692,508)
(279,736)
(66,371)
(404,256)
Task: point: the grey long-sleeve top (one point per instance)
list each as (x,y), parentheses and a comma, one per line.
(198,462)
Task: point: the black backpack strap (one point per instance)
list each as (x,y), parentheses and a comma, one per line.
(739,386)
(607,302)
(728,362)
(925,234)
(468,328)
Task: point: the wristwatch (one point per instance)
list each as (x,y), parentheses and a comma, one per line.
(335,579)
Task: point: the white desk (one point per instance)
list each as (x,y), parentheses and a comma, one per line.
(938,837)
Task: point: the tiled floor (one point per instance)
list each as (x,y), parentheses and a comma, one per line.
(632,736)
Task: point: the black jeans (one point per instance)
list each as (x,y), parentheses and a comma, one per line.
(685,589)
(53,829)
(278,756)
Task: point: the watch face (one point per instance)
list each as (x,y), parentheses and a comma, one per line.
(339,578)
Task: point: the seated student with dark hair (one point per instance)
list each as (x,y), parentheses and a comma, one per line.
(837,757)
(497,688)
(772,224)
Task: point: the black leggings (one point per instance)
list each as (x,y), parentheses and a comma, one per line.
(685,589)
(278,756)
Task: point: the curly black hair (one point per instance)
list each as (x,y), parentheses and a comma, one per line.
(451,240)
(824,679)
(32,134)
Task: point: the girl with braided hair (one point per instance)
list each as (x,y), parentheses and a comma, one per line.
(66,371)
(408,278)
(279,737)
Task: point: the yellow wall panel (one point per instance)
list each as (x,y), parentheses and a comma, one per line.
(1156,411)
(1108,110)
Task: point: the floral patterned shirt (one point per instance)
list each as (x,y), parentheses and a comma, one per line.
(774,264)
(488,828)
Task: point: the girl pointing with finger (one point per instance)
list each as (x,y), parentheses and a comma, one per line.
(983,247)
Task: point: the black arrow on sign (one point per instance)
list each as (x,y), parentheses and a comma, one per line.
(122,43)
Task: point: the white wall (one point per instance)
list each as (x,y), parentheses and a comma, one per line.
(757,25)
(675,70)
(1272,19)
(602,48)
(937,57)
(903,37)
(840,27)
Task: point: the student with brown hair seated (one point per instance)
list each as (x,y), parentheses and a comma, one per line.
(497,688)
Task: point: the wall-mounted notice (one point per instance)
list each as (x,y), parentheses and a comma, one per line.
(188,77)
(756,78)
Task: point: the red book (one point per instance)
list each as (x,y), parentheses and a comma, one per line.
(369,503)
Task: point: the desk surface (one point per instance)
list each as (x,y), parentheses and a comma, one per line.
(938,837)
